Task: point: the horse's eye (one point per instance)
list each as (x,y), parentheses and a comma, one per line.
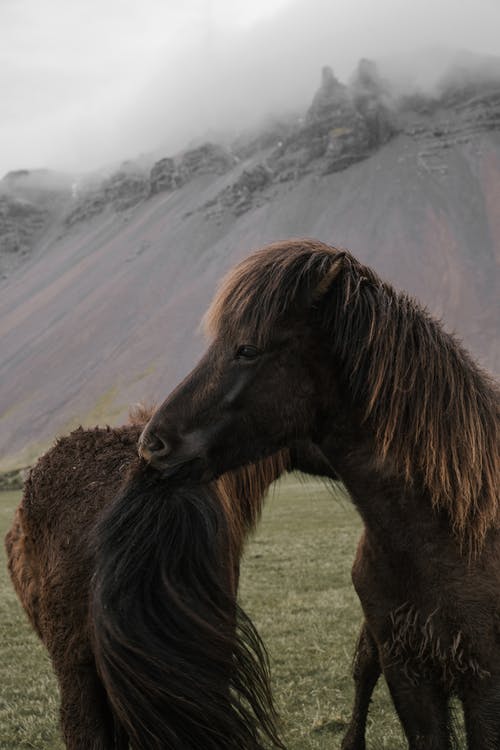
(247,351)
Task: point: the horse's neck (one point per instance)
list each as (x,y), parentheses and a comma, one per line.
(398,518)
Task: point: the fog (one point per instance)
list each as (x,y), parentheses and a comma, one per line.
(88,83)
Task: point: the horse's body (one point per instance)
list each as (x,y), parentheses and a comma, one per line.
(130,582)
(309,344)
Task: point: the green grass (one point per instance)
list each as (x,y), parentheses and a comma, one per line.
(28,691)
(295,585)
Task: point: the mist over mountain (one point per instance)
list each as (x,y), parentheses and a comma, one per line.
(105,276)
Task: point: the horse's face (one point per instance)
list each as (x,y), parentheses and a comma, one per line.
(240,404)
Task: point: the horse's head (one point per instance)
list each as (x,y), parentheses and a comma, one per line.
(263,383)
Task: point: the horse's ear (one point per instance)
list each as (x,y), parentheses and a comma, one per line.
(325,283)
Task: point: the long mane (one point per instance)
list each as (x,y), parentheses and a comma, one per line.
(182,665)
(242,492)
(432,410)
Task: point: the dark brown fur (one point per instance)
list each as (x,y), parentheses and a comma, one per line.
(410,423)
(121,679)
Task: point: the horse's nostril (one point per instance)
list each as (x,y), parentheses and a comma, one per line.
(153,445)
(157,445)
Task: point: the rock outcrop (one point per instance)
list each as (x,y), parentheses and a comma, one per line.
(164,176)
(209,158)
(132,184)
(343,125)
(122,190)
(239,196)
(372,99)
(29,202)
(20,223)
(347,124)
(465,106)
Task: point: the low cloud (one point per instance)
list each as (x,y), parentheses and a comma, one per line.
(89,84)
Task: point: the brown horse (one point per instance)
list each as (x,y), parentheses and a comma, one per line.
(310,344)
(130,581)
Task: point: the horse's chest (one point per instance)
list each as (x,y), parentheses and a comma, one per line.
(439,621)
(426,645)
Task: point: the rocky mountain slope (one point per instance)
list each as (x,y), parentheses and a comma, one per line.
(104,279)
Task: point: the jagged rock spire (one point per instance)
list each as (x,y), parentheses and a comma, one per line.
(372,99)
(331,98)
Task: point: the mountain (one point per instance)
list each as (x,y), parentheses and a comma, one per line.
(105,278)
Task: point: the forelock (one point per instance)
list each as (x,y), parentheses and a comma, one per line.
(266,287)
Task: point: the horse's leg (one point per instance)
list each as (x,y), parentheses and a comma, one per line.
(366,672)
(481,703)
(422,709)
(86,719)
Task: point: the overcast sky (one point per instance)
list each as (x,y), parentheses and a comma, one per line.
(85,83)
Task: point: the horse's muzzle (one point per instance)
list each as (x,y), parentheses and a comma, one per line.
(183,463)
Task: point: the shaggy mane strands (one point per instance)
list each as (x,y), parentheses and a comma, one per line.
(265,287)
(249,485)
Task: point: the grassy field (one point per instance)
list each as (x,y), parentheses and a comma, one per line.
(28,693)
(296,586)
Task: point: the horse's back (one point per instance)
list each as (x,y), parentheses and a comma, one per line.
(75,478)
